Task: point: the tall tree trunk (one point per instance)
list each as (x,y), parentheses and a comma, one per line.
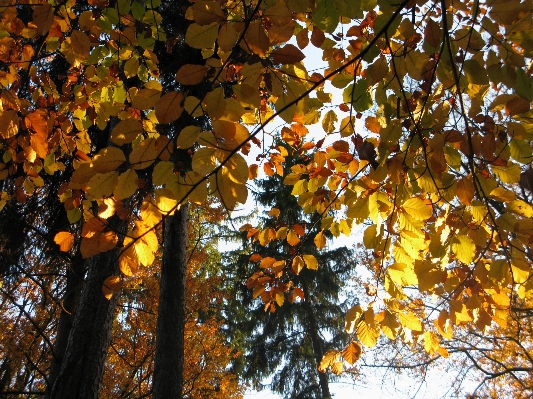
(70,302)
(82,369)
(169,354)
(318,349)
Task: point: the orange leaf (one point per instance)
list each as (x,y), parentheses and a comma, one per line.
(169,107)
(111,285)
(65,240)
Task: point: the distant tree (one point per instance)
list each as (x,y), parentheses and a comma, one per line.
(286,340)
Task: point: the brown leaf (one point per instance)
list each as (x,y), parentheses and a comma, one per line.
(517,105)
(191,74)
(317,37)
(256,39)
(169,107)
(81,44)
(289,54)
(43,17)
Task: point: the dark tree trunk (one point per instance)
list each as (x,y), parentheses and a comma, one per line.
(318,349)
(70,302)
(168,368)
(82,368)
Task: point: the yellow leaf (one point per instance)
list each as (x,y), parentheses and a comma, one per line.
(127,265)
(191,74)
(327,360)
(297,265)
(143,154)
(204,161)
(410,320)
(280,298)
(111,285)
(311,262)
(126,131)
(266,236)
(65,240)
(337,368)
(145,99)
(202,36)
(367,334)
(107,241)
(165,201)
(508,174)
(502,194)
(431,342)
(352,318)
(464,248)
(162,173)
(126,185)
(145,246)
(389,325)
(417,209)
(227,37)
(188,136)
(108,160)
(101,185)
(229,192)
(320,240)
(274,212)
(267,262)
(106,208)
(169,107)
(352,353)
(402,274)
(216,103)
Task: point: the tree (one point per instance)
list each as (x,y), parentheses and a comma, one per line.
(286,341)
(444,90)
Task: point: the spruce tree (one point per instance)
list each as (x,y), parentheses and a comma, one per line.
(288,344)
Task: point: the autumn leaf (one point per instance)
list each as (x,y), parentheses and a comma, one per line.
(111,285)
(289,54)
(352,352)
(65,240)
(169,107)
(126,131)
(191,74)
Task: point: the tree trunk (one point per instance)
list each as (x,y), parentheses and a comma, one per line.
(70,302)
(169,354)
(318,349)
(82,369)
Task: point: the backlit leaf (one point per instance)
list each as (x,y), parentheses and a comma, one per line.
(169,107)
(65,240)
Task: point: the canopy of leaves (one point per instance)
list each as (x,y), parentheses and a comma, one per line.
(429,144)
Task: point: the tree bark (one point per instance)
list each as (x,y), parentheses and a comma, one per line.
(82,369)
(318,348)
(169,355)
(70,302)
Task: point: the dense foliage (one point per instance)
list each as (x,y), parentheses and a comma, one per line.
(114,115)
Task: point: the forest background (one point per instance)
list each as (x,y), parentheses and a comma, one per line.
(126,134)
